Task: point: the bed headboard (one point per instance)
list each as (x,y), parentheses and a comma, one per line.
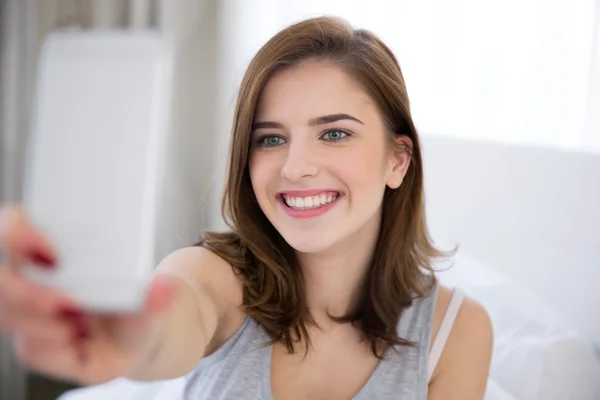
(532,213)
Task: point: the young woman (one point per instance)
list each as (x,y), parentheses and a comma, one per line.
(324,287)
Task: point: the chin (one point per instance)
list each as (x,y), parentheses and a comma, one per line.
(308,243)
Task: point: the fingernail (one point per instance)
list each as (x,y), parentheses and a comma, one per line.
(41,259)
(81,333)
(69,313)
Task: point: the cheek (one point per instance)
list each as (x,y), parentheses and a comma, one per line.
(260,172)
(366,167)
(254,172)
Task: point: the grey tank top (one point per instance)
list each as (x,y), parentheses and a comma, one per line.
(241,368)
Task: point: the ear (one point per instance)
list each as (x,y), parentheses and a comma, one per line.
(400,157)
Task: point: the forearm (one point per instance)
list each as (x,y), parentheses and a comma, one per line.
(179,336)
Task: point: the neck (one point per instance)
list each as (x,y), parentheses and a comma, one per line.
(333,278)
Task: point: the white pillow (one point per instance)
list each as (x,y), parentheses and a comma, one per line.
(536,355)
(124,389)
(495,392)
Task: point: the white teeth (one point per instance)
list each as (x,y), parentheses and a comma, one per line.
(304,203)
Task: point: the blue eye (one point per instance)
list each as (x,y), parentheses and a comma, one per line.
(270,141)
(334,135)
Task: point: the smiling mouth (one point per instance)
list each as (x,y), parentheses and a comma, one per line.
(309,202)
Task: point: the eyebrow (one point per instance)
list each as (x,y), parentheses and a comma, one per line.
(325,119)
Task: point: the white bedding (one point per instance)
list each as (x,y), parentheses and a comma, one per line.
(123,389)
(537,356)
(173,390)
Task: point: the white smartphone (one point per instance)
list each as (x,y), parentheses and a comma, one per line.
(93,172)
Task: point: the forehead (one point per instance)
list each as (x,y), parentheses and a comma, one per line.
(312,89)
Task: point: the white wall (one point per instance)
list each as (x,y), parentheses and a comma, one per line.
(190,191)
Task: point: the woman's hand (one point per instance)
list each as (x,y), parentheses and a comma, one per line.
(51,333)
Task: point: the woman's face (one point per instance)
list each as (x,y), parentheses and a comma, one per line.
(320,158)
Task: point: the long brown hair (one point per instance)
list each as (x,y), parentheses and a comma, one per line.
(273,285)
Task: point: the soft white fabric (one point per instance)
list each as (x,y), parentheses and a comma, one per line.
(123,389)
(536,355)
(173,390)
(496,392)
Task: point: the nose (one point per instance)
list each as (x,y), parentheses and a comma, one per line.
(301,162)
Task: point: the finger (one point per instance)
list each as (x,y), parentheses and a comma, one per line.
(17,292)
(19,240)
(52,331)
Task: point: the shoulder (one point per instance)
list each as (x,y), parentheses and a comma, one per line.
(464,365)
(472,321)
(201,266)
